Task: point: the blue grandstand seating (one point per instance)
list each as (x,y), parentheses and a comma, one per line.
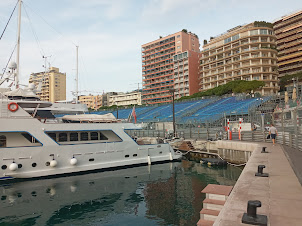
(198,110)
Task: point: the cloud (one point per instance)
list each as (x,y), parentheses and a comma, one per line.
(94,9)
(176,8)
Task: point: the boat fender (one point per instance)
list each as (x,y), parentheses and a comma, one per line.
(13,166)
(53,163)
(12,106)
(171,157)
(73,161)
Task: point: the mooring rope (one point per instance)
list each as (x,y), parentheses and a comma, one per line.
(232,164)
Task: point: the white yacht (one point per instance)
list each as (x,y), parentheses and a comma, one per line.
(32,146)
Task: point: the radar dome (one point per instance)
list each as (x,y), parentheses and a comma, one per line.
(12,65)
(31,86)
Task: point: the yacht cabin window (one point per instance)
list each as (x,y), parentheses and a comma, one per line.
(78,137)
(2,141)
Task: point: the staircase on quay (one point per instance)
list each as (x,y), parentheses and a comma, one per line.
(216,196)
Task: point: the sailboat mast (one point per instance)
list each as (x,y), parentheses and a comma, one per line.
(18,45)
(77,76)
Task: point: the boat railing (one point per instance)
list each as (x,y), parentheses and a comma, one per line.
(3,97)
(3,105)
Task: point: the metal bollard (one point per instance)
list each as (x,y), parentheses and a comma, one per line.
(264,150)
(260,172)
(251,217)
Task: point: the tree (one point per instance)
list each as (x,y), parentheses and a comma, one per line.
(287,79)
(184,30)
(263,24)
(238,86)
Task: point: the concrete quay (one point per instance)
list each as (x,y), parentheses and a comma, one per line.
(280,193)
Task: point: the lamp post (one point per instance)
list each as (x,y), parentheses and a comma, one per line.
(116,110)
(262,114)
(296,85)
(173,109)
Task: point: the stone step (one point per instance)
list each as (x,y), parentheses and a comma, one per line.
(203,222)
(218,192)
(213,204)
(210,215)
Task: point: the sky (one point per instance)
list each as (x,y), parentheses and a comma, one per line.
(110,33)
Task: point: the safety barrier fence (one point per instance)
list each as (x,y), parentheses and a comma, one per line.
(286,136)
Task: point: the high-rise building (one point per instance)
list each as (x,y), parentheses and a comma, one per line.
(288,30)
(158,65)
(245,52)
(92,102)
(50,85)
(186,80)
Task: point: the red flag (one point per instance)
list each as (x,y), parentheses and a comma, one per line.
(134,114)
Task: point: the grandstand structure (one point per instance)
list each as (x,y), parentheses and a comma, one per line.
(201,111)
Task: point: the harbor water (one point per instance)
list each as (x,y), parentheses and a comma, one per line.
(162,194)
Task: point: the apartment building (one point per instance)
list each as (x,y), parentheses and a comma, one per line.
(186,81)
(50,85)
(288,30)
(124,99)
(246,52)
(92,101)
(158,65)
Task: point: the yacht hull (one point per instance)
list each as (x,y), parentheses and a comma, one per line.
(51,157)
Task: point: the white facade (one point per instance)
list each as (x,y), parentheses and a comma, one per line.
(124,99)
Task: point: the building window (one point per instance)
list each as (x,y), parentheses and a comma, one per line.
(263,31)
(254,32)
(178,36)
(235,37)
(256,77)
(178,47)
(227,40)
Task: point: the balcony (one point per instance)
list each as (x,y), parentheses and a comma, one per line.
(298,65)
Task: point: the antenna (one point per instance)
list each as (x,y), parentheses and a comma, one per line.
(77,76)
(18,45)
(138,83)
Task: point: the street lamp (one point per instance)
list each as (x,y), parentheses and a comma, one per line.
(296,85)
(116,110)
(173,109)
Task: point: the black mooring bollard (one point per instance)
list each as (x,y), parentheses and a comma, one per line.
(251,216)
(264,150)
(260,172)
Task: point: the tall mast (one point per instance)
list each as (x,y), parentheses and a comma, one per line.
(18,44)
(77,76)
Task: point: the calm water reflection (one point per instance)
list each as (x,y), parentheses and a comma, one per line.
(164,194)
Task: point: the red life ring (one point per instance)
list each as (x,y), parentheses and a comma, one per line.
(12,106)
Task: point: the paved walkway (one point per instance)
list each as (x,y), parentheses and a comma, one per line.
(294,157)
(280,193)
